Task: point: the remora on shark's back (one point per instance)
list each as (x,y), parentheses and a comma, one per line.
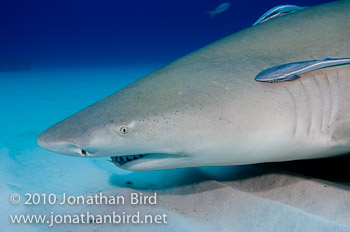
(278,11)
(206,109)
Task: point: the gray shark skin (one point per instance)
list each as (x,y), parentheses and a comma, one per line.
(206,109)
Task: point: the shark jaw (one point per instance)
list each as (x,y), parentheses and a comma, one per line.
(143,162)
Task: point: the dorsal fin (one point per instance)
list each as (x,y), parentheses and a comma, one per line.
(278,11)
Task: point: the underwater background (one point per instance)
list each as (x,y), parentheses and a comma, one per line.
(117,33)
(58,57)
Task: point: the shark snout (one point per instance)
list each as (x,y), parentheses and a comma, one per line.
(49,142)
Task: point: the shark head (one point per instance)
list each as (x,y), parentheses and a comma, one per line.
(155,123)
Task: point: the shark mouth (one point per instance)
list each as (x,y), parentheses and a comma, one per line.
(120,160)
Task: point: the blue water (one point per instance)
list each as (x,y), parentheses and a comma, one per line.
(117,33)
(61,56)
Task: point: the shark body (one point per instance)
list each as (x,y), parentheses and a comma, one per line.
(206,109)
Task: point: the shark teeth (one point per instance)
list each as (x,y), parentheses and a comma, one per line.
(120,160)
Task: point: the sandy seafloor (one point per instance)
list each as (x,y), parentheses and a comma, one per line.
(294,196)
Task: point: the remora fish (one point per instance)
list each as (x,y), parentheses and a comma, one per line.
(278,11)
(221,8)
(206,109)
(291,71)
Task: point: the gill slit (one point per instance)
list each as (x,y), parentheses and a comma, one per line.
(295,111)
(309,108)
(322,101)
(336,100)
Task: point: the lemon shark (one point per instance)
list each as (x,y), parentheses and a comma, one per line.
(206,109)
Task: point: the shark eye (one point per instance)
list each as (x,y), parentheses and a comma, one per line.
(123,130)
